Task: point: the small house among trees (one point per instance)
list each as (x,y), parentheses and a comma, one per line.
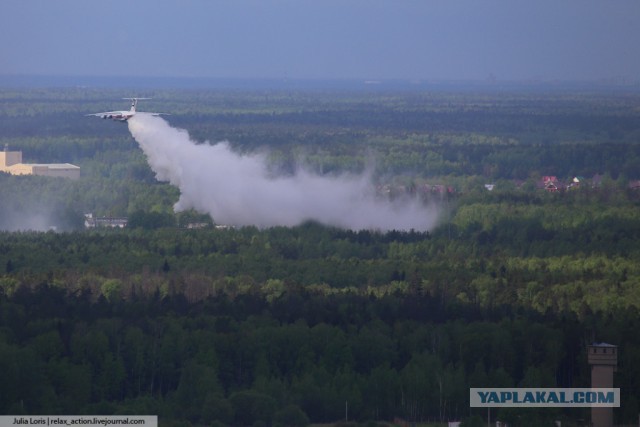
(550,183)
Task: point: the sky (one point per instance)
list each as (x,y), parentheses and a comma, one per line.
(425,40)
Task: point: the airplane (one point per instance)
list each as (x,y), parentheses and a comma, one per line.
(123,116)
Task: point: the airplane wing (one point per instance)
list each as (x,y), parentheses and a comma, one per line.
(149,113)
(106,113)
(113,115)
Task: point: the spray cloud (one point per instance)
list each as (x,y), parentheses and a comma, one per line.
(237,190)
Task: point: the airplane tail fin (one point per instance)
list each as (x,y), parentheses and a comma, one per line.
(134,103)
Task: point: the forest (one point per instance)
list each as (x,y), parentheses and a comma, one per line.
(313,324)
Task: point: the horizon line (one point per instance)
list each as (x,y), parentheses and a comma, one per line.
(62,80)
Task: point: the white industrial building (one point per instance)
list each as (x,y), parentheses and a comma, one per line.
(11,162)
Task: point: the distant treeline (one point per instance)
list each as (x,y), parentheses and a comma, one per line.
(499,135)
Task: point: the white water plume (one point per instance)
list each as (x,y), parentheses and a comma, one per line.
(237,190)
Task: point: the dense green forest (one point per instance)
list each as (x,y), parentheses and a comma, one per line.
(291,326)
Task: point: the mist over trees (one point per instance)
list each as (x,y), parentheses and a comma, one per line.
(282,325)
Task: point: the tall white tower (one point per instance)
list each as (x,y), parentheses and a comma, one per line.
(603,359)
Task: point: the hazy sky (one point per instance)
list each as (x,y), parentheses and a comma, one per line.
(327,39)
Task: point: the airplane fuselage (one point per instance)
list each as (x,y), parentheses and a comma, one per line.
(121,116)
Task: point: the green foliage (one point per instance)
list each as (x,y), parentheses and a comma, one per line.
(472,421)
(251,407)
(291,416)
(111,289)
(150,220)
(246,361)
(8,285)
(284,326)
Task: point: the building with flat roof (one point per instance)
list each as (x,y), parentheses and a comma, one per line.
(100,222)
(11,162)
